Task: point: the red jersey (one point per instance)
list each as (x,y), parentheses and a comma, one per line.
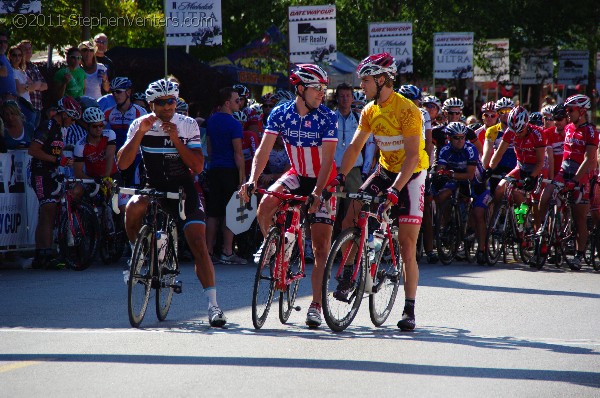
(94,156)
(480,132)
(250,142)
(556,141)
(525,147)
(577,139)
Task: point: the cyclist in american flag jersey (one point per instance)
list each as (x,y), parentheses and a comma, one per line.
(309,131)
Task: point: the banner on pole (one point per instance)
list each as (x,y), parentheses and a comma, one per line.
(491,61)
(573,67)
(394,38)
(536,66)
(453,55)
(312,34)
(194,23)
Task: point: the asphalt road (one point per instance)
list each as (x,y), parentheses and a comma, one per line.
(503,331)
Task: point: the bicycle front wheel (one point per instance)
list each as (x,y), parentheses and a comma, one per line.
(543,240)
(168,269)
(264,281)
(494,239)
(140,276)
(447,234)
(386,281)
(341,294)
(287,298)
(568,245)
(82,225)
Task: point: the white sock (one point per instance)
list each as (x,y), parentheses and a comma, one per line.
(211,295)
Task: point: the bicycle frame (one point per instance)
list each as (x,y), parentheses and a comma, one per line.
(290,205)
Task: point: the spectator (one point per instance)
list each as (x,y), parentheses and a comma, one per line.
(7,77)
(101,42)
(96,79)
(22,82)
(226,172)
(70,80)
(38,82)
(17,132)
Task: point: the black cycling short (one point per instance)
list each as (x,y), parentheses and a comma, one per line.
(44,186)
(222,183)
(194,210)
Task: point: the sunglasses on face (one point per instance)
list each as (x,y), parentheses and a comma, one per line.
(454,112)
(430,106)
(503,111)
(559,119)
(16,55)
(237,100)
(319,87)
(97,125)
(458,137)
(163,102)
(118,91)
(78,57)
(569,109)
(101,41)
(490,115)
(547,119)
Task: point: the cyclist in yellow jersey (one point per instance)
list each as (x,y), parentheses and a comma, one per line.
(396,125)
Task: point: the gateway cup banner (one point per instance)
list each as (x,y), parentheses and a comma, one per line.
(194,23)
(453,55)
(494,62)
(536,66)
(394,38)
(312,34)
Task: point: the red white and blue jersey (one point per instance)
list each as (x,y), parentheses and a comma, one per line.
(94,156)
(303,135)
(120,122)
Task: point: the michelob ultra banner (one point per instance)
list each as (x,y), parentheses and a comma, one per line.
(491,61)
(194,23)
(394,38)
(573,67)
(536,66)
(453,55)
(312,34)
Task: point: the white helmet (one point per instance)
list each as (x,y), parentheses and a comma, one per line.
(453,102)
(161,88)
(377,64)
(504,102)
(93,115)
(518,118)
(240,116)
(579,101)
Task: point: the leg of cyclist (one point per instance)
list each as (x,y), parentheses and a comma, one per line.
(321,243)
(43,234)
(580,212)
(407,238)
(134,217)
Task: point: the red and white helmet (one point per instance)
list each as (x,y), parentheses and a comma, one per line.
(69,106)
(518,119)
(308,74)
(377,64)
(488,107)
(579,101)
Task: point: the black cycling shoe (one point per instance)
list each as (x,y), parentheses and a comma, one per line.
(407,323)
(432,257)
(344,286)
(481,258)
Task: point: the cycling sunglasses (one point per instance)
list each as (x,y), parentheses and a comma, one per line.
(163,102)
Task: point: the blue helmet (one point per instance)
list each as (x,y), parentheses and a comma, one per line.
(536,118)
(456,128)
(409,91)
(120,83)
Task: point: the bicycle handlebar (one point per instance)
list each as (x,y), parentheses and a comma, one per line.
(362,196)
(283,196)
(67,180)
(152,193)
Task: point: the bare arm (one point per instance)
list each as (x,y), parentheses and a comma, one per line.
(78,170)
(109,155)
(238,157)
(589,161)
(488,151)
(498,154)
(127,153)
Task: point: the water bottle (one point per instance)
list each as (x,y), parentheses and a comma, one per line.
(374,243)
(161,244)
(290,239)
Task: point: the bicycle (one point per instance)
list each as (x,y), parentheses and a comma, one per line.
(77,229)
(112,229)
(451,227)
(154,263)
(557,230)
(351,270)
(505,230)
(281,265)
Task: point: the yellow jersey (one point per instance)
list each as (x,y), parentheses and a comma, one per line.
(390,122)
(492,132)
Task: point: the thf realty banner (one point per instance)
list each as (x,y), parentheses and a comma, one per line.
(312,34)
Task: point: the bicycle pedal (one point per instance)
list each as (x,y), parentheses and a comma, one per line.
(298,308)
(177,287)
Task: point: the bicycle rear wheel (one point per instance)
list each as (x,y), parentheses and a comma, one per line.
(79,253)
(386,281)
(526,244)
(341,295)
(140,276)
(447,234)
(112,242)
(494,238)
(568,245)
(168,269)
(264,281)
(287,298)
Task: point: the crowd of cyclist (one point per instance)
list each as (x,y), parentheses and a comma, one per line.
(425,152)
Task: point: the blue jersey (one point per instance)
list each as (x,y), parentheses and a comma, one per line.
(458,159)
(303,135)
